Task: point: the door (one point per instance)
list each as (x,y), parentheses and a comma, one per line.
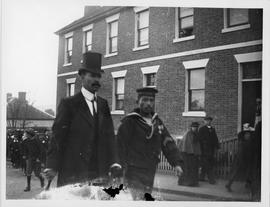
(251,90)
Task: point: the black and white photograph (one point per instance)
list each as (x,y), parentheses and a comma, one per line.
(136,101)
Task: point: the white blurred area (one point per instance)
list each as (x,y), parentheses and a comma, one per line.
(82,192)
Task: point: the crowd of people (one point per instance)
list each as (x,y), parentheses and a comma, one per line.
(199,146)
(27,150)
(84,147)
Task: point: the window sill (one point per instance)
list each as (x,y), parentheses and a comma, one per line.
(182,39)
(118,112)
(140,48)
(111,54)
(236,28)
(67,64)
(194,113)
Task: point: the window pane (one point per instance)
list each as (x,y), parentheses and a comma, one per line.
(120,97)
(197,79)
(143,19)
(119,105)
(196,100)
(71,89)
(150,79)
(68,56)
(143,37)
(114,29)
(187,22)
(120,84)
(113,45)
(252,70)
(238,16)
(69,44)
(186,32)
(88,38)
(186,11)
(88,47)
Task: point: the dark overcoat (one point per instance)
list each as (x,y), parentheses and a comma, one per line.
(73,141)
(208,140)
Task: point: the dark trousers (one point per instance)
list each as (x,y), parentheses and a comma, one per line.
(207,164)
(139,181)
(191,170)
(32,165)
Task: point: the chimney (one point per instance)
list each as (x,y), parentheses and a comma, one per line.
(91,10)
(9,96)
(22,96)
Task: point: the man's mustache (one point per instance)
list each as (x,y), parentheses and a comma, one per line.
(96,84)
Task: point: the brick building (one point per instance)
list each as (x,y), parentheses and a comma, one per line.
(203,61)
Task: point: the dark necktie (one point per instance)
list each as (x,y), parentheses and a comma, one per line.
(94,109)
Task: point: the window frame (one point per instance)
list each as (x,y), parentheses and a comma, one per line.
(67,51)
(110,20)
(227,28)
(191,90)
(150,70)
(177,37)
(116,94)
(229,19)
(117,75)
(69,82)
(86,49)
(185,17)
(138,11)
(112,37)
(192,65)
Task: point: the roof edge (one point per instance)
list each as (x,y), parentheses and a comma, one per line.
(84,20)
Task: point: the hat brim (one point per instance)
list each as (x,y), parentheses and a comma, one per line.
(91,70)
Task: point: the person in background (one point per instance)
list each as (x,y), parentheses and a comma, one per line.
(242,164)
(209,146)
(191,151)
(141,137)
(15,151)
(31,150)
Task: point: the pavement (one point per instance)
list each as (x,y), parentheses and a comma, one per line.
(167,183)
(165,188)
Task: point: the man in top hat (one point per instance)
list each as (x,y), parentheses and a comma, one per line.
(83,144)
(191,150)
(209,145)
(141,137)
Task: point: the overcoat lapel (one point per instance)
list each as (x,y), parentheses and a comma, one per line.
(84,110)
(99,112)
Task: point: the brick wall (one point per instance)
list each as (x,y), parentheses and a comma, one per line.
(221,90)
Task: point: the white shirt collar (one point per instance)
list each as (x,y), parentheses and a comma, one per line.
(87,94)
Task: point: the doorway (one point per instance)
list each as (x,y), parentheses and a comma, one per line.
(251,90)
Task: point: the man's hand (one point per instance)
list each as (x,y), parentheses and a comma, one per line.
(49,173)
(116,171)
(179,170)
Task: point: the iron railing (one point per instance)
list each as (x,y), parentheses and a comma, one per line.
(224,159)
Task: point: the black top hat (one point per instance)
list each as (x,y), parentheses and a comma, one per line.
(194,124)
(91,63)
(147,91)
(208,118)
